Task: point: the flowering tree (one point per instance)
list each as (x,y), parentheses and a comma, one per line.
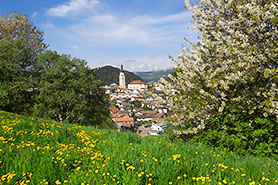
(232,69)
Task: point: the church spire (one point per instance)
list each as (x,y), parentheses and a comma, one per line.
(122,78)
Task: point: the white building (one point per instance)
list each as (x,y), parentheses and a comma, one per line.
(122,78)
(157,129)
(137,85)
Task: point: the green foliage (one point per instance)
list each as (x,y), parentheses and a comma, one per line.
(68,91)
(240,134)
(16,26)
(144,122)
(136,104)
(154,76)
(108,75)
(145,108)
(15,73)
(20,43)
(4,99)
(42,151)
(38,82)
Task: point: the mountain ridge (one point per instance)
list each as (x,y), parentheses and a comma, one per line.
(154,76)
(109,74)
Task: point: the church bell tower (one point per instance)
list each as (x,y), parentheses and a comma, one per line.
(122,78)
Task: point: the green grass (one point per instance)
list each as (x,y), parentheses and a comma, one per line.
(38,151)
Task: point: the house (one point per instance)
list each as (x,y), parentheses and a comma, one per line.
(158,120)
(157,128)
(149,112)
(137,85)
(113,110)
(145,117)
(119,115)
(125,123)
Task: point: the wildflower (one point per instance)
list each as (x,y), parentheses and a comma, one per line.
(78,168)
(176,156)
(58,182)
(224,181)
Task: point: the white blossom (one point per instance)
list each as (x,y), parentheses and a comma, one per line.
(234,64)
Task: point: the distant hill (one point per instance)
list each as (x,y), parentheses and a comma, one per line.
(109,75)
(153,76)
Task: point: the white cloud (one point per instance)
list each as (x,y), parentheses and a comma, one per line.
(35,14)
(145,29)
(99,36)
(137,64)
(71,6)
(146,19)
(75,47)
(150,64)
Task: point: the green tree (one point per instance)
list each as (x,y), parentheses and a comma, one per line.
(137,104)
(68,91)
(20,43)
(232,70)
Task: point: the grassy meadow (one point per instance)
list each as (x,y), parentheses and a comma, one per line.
(37,151)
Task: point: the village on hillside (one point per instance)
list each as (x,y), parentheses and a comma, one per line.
(134,109)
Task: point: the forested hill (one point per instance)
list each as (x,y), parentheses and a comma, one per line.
(109,75)
(154,76)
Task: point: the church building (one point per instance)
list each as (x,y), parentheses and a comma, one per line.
(122,78)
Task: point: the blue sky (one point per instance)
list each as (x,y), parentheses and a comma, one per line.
(140,34)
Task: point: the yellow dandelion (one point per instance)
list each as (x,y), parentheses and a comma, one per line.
(78,168)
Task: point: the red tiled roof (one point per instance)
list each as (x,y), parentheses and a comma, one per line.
(158,120)
(114,110)
(137,82)
(125,119)
(117,115)
(149,112)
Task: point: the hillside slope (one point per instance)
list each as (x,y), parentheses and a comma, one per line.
(109,75)
(154,76)
(37,151)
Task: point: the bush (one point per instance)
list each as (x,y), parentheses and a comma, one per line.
(241,134)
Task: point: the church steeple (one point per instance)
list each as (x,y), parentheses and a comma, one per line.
(122,78)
